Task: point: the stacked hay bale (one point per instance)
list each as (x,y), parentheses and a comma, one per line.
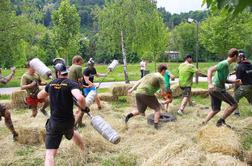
(31,135)
(176,91)
(121,89)
(219,140)
(199,92)
(107,97)
(18,99)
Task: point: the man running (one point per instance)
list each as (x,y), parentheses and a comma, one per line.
(75,74)
(244,73)
(30,82)
(145,94)
(3,109)
(217,91)
(61,92)
(186,72)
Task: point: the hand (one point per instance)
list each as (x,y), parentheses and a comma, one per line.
(210,86)
(238,82)
(13,69)
(34,83)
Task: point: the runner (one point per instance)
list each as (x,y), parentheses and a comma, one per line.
(243,72)
(168,96)
(61,92)
(145,94)
(3,109)
(217,91)
(186,72)
(30,82)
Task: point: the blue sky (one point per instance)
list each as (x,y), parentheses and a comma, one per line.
(178,6)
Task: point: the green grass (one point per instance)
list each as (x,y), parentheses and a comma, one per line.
(120,103)
(116,75)
(203,85)
(4,97)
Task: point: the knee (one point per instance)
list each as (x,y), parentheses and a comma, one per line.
(235,106)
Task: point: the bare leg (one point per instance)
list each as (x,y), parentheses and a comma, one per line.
(78,141)
(34,111)
(98,102)
(183,103)
(229,111)
(210,115)
(9,124)
(156,116)
(79,117)
(49,157)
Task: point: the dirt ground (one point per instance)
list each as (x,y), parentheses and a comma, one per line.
(173,144)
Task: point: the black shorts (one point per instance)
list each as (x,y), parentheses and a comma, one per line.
(143,101)
(186,91)
(217,96)
(55,132)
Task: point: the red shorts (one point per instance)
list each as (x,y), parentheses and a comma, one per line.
(33,101)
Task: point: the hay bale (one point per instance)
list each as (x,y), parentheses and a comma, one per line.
(249,158)
(31,135)
(176,91)
(18,99)
(199,92)
(107,97)
(121,89)
(219,140)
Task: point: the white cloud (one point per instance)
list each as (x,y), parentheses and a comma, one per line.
(178,6)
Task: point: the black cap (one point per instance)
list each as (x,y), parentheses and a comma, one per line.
(91,61)
(61,68)
(59,60)
(242,54)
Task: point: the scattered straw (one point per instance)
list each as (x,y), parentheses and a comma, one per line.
(107,97)
(31,135)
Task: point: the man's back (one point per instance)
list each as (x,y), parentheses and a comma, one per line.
(61,99)
(75,72)
(244,72)
(186,71)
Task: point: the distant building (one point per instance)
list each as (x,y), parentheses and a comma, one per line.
(172,55)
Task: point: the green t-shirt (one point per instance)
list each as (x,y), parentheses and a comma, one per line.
(167,80)
(150,84)
(221,74)
(27,79)
(186,72)
(75,72)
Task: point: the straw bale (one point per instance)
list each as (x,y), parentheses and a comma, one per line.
(249,158)
(199,92)
(18,99)
(31,135)
(121,89)
(176,91)
(107,97)
(219,140)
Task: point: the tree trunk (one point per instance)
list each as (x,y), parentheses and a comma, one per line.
(124,59)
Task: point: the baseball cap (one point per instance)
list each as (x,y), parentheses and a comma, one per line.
(242,54)
(188,56)
(61,68)
(91,61)
(58,60)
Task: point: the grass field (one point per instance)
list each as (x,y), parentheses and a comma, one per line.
(116,75)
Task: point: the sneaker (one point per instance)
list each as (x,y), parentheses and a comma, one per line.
(15,137)
(221,122)
(126,120)
(157,126)
(180,112)
(99,108)
(237,113)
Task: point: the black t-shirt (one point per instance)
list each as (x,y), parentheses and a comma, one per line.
(244,72)
(61,99)
(89,72)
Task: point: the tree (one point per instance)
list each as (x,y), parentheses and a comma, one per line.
(66,21)
(230,6)
(131,26)
(220,33)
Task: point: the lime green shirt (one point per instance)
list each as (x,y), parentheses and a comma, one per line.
(186,72)
(150,84)
(75,72)
(221,74)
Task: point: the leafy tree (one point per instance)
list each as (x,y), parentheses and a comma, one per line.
(131,26)
(219,33)
(66,21)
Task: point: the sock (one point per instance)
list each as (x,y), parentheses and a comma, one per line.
(130,115)
(156,125)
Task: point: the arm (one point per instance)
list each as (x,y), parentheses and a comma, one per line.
(42,94)
(135,86)
(6,79)
(199,73)
(86,78)
(172,77)
(100,75)
(25,85)
(210,72)
(79,97)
